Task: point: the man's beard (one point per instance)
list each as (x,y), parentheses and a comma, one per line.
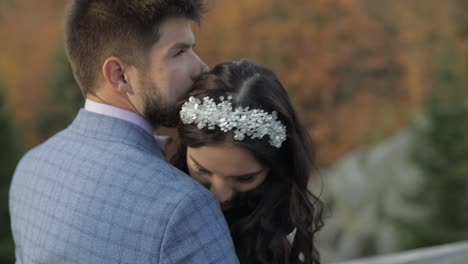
(157,111)
(160,114)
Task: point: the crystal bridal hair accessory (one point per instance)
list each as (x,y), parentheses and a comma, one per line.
(255,123)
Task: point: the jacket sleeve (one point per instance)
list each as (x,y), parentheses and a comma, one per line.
(197,232)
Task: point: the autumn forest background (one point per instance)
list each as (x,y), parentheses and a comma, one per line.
(358,71)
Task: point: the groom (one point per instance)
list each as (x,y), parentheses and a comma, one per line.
(100,191)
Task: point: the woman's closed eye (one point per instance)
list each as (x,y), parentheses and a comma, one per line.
(245,179)
(202,170)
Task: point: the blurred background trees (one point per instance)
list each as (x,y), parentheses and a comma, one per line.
(10,151)
(440,150)
(62,101)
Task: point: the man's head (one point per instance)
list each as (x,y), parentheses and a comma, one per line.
(136,55)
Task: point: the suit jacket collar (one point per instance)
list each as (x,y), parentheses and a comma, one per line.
(114,129)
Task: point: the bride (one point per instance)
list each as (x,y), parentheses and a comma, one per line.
(241,138)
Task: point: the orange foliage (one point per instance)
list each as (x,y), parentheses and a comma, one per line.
(327,53)
(30,32)
(357,70)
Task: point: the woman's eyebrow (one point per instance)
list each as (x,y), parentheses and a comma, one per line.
(247,174)
(198,164)
(233,176)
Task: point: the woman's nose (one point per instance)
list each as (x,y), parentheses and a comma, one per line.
(223,192)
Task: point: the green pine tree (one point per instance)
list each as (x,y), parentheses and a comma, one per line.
(10,151)
(63,101)
(441,152)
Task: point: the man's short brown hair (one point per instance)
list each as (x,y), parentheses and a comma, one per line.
(98,29)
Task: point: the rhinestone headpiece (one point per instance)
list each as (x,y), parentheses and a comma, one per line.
(254,123)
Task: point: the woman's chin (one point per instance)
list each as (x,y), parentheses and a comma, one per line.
(226,207)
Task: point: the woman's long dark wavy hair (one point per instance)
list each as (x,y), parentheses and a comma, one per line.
(261,219)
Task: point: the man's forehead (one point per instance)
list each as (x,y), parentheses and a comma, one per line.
(176,31)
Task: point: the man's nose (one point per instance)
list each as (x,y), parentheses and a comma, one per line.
(202,67)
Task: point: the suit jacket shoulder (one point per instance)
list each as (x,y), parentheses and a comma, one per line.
(101,192)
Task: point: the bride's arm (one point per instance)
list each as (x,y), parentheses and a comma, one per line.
(287,250)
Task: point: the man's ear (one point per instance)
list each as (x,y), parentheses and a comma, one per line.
(113,70)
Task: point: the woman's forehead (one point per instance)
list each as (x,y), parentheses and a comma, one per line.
(227,159)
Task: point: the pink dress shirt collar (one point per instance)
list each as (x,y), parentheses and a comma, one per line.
(128,116)
(120,113)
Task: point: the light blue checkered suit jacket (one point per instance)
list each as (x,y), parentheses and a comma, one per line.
(100,191)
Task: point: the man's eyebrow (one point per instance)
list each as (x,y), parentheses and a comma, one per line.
(182,45)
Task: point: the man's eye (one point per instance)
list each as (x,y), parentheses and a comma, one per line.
(180,52)
(245,179)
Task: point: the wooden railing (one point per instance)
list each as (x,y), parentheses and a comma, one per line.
(456,253)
